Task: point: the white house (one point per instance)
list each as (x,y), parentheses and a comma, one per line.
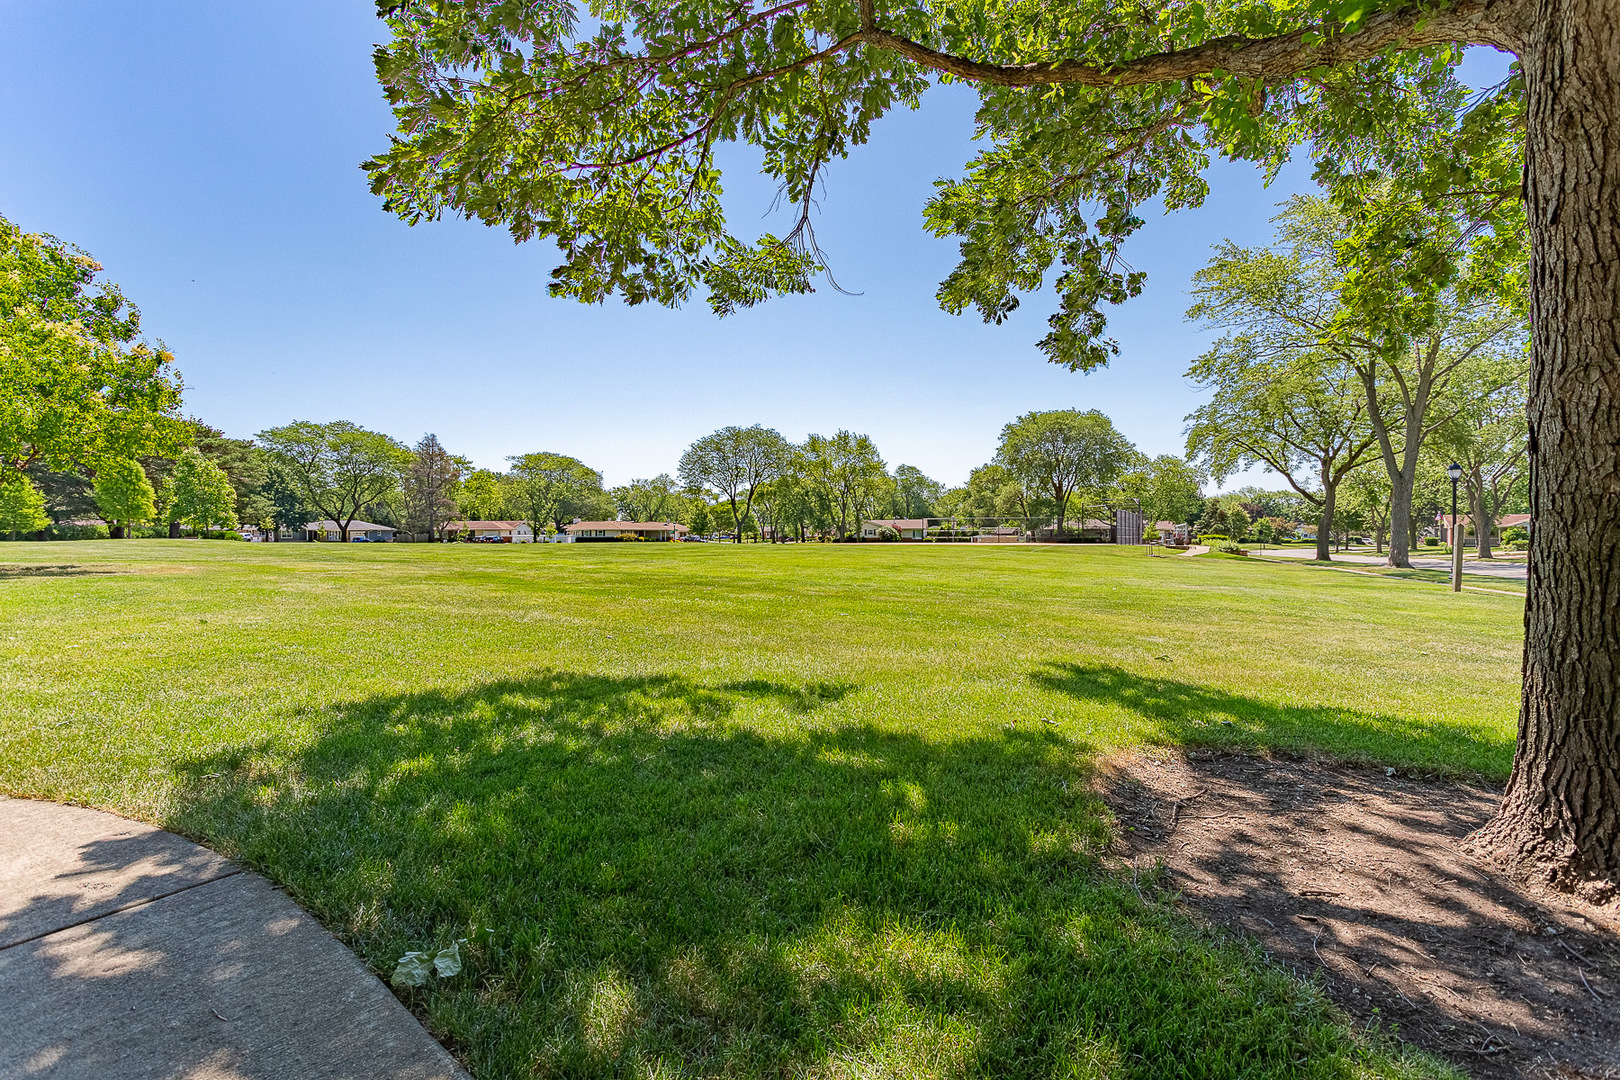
(907,528)
(491,532)
(358,530)
(583,531)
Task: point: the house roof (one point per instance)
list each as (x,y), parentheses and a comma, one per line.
(1506,521)
(472,526)
(354,526)
(900,523)
(626,526)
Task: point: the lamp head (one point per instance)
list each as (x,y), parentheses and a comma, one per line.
(1454,471)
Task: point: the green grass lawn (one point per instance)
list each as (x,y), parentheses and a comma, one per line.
(756,811)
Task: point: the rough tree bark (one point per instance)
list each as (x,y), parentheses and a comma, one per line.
(1483,518)
(1560,817)
(1324,527)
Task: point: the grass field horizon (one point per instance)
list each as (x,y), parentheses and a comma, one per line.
(752,810)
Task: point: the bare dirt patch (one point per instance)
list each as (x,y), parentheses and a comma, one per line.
(1354,876)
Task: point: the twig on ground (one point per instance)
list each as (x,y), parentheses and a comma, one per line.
(1595,995)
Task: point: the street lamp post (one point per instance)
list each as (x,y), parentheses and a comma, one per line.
(1454,471)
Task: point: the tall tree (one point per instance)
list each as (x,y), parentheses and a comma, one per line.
(124,495)
(1303,417)
(1065,452)
(430,483)
(1088,111)
(199,494)
(733,462)
(551,489)
(915,492)
(658,499)
(1489,438)
(339,467)
(847,471)
(1167,487)
(77,386)
(484,496)
(1291,299)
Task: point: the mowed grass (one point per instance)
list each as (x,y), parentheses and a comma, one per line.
(755,811)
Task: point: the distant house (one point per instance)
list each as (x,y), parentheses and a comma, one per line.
(358,530)
(1506,521)
(589,531)
(1170,532)
(908,528)
(491,532)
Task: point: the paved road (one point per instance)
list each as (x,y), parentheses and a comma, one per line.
(1513,569)
(127,952)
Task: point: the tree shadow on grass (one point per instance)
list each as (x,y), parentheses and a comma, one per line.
(14,571)
(655,879)
(1195,715)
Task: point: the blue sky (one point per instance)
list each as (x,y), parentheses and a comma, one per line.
(207,153)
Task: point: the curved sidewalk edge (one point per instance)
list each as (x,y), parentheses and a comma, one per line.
(127,951)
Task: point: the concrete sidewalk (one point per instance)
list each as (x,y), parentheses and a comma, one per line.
(127,952)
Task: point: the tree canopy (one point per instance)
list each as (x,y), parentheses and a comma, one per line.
(596,126)
(1065,452)
(77,382)
(339,467)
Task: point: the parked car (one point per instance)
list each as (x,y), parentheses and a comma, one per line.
(359,539)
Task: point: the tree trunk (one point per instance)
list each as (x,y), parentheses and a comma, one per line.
(174,530)
(1402,526)
(1402,472)
(1482,517)
(1324,528)
(1560,818)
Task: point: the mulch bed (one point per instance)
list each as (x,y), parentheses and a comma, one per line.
(1354,876)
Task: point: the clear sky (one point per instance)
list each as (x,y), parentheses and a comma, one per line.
(207,154)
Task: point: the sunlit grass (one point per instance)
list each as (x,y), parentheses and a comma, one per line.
(742,811)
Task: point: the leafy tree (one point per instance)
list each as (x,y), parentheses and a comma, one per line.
(430,484)
(981,498)
(284,497)
(733,462)
(787,504)
(1168,488)
(1265,532)
(658,499)
(552,489)
(915,492)
(1237,520)
(1368,495)
(483,496)
(22,505)
(124,495)
(69,494)
(1290,300)
(1087,111)
(1065,452)
(76,385)
(1304,417)
(847,471)
(339,467)
(199,494)
(700,523)
(1489,438)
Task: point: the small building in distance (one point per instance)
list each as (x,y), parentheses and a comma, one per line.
(490,532)
(1172,533)
(358,530)
(592,531)
(907,528)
